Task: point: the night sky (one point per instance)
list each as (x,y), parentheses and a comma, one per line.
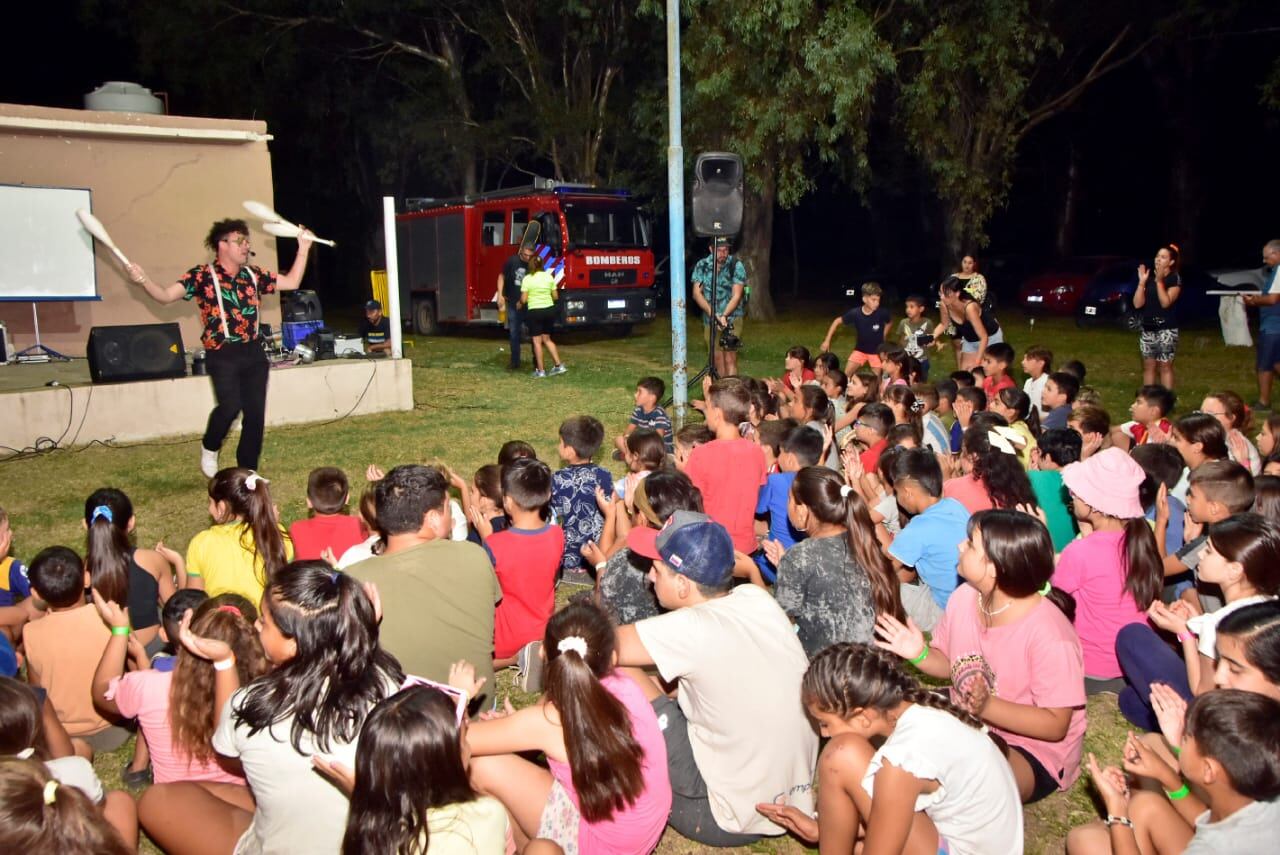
(1118,130)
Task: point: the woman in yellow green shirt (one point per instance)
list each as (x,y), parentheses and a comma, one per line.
(538,294)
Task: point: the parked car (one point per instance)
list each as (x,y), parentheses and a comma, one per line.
(1057,290)
(1108,298)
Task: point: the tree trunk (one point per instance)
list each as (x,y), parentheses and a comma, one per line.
(1064,241)
(795,255)
(757,245)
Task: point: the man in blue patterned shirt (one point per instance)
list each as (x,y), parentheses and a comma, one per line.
(729,298)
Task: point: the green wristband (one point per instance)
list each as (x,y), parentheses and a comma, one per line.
(924,654)
(195,573)
(1177,752)
(1180,793)
(119,630)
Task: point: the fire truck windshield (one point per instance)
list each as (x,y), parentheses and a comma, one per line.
(601,225)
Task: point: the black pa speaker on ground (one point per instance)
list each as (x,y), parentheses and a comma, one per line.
(300,306)
(135,352)
(717,194)
(322,343)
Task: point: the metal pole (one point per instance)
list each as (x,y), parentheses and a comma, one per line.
(393,275)
(675,218)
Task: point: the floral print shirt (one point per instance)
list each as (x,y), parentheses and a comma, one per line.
(573,498)
(240,298)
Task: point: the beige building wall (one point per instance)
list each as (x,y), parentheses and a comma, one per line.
(158,182)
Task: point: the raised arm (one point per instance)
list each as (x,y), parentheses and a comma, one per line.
(291,280)
(112,663)
(159,293)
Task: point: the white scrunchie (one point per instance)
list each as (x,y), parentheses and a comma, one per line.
(252,479)
(845,490)
(1003,439)
(576,643)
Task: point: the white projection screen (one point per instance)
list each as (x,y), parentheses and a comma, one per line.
(45,254)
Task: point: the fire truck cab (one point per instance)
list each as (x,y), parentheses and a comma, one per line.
(595,242)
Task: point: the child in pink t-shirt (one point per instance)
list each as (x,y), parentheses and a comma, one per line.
(1010,650)
(180,750)
(610,797)
(993,474)
(1114,573)
(729,470)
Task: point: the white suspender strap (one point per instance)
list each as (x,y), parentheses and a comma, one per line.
(217,289)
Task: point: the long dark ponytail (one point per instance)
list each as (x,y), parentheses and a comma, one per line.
(846,677)
(247,496)
(339,671)
(1143,569)
(604,757)
(408,761)
(828,498)
(107,512)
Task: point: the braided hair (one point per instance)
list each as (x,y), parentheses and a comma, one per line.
(846,677)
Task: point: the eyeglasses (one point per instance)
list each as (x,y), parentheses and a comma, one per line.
(238,241)
(452,691)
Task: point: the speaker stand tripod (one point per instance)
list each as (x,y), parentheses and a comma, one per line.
(38,352)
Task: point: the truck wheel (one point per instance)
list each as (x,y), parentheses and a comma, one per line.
(424,317)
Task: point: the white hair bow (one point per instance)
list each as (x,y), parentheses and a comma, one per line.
(845,490)
(1004,439)
(576,643)
(252,480)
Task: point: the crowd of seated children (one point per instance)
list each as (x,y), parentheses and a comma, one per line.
(1045,564)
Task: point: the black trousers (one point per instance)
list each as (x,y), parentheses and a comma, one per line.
(239,373)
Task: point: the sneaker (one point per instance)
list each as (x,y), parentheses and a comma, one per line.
(539,373)
(1260,406)
(133,779)
(208,462)
(529,665)
(559,369)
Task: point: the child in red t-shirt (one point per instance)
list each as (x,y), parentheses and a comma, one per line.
(1150,406)
(328,528)
(995,365)
(526,559)
(729,470)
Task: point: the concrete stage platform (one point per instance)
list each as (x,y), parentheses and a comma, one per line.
(78,412)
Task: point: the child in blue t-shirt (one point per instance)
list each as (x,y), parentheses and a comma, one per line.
(573,488)
(927,548)
(801,447)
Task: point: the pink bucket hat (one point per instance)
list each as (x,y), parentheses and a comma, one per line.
(1108,482)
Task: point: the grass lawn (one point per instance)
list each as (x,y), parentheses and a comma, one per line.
(468,404)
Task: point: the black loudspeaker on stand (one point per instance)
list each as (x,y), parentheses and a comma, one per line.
(119,354)
(717,213)
(717,194)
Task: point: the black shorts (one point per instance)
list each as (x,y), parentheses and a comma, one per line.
(1045,783)
(690,804)
(540,321)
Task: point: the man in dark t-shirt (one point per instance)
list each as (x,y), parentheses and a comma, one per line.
(375,329)
(509,297)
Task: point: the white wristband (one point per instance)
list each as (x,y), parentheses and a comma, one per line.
(224,664)
(602,565)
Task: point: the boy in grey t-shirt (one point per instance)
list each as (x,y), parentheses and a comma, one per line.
(1230,749)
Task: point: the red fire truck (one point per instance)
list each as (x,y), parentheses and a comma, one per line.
(596,242)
